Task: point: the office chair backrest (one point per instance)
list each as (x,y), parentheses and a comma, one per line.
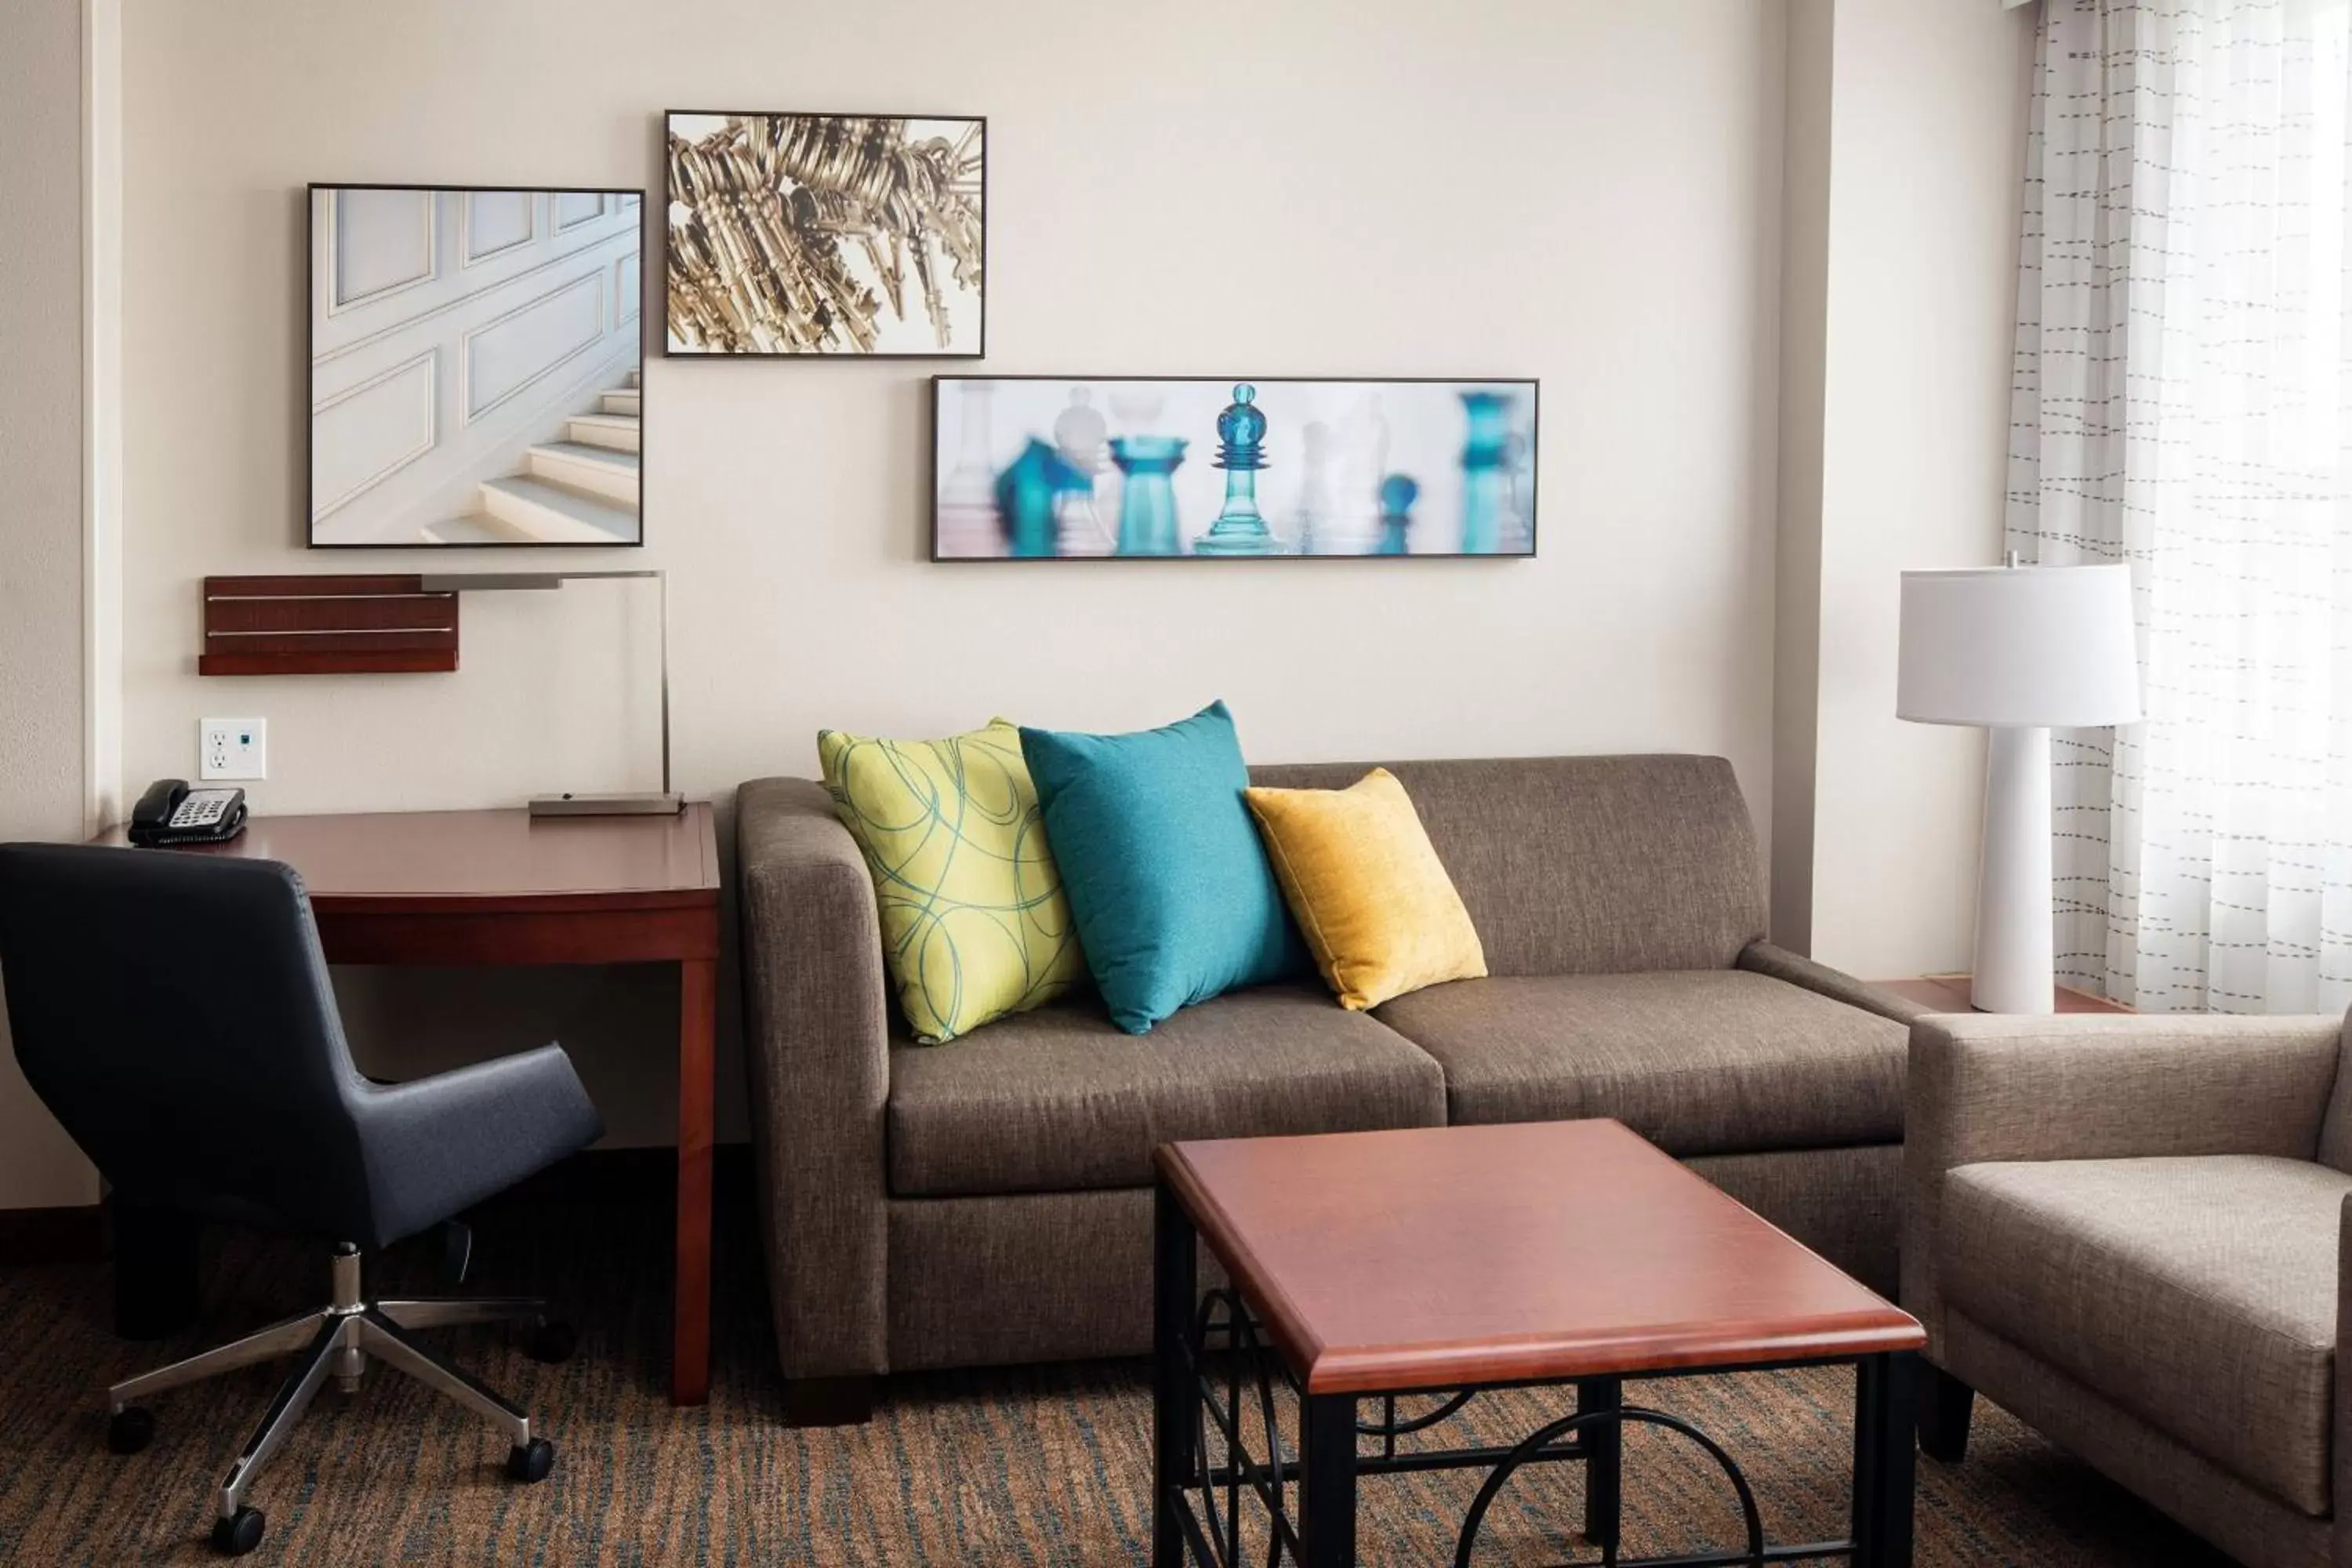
(173,1012)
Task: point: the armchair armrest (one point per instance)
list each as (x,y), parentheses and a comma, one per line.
(816,1048)
(1987,1087)
(1762,957)
(2340,1462)
(2091,1087)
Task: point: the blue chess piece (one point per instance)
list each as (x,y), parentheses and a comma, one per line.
(1026,496)
(1484,478)
(1147,500)
(1240,530)
(1397,492)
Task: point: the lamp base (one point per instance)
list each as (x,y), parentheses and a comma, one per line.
(653,805)
(2016,944)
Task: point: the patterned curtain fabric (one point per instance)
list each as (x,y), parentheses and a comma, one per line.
(2183,404)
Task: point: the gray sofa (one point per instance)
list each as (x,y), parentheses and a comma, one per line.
(987,1200)
(2129,1232)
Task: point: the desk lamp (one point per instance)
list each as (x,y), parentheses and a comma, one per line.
(668,803)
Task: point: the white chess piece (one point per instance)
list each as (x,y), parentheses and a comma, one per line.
(967,501)
(1079,435)
(1363,462)
(1316,511)
(1137,405)
(1519,511)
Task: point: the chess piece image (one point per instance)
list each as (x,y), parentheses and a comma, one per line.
(1027,495)
(1147,501)
(1397,494)
(1361,459)
(1240,528)
(1482,470)
(968,525)
(1078,437)
(1315,508)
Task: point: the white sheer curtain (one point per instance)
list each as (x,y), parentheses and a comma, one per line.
(2183,402)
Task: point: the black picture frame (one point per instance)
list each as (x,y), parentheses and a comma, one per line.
(1535,495)
(845,356)
(311,350)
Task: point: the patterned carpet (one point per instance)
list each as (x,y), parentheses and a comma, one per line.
(1043,1468)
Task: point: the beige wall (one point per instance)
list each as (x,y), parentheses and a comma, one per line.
(41,529)
(1584,191)
(1926,153)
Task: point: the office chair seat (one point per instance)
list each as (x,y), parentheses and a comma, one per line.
(174,1013)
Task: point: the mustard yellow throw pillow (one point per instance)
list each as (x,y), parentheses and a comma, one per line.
(1367,887)
(975,924)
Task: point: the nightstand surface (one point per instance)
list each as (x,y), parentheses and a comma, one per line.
(1949,994)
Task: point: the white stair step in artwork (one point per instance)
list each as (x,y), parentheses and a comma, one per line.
(619,401)
(599,471)
(475,528)
(615,432)
(556,514)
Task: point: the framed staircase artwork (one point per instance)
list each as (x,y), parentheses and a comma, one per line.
(475,357)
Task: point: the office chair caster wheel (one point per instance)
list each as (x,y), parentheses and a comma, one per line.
(130,1429)
(553,1342)
(239,1533)
(530,1462)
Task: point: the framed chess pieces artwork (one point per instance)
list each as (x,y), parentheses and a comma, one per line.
(826,235)
(473,366)
(1224,467)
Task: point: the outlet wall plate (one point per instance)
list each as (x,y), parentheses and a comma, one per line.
(232,749)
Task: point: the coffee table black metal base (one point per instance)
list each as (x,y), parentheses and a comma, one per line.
(1308,1502)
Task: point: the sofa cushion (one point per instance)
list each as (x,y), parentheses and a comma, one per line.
(1697,1061)
(1370,894)
(1057,1100)
(1170,886)
(1585,865)
(975,924)
(2198,1294)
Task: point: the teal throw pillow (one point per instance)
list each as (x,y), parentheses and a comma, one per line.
(1168,884)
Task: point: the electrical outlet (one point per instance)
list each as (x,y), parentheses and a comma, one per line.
(232,749)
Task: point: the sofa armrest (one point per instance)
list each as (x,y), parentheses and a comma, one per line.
(1762,957)
(816,1047)
(1988,1087)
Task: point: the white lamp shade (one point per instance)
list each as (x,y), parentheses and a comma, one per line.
(2025,646)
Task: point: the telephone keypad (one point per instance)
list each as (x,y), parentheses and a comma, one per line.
(201,810)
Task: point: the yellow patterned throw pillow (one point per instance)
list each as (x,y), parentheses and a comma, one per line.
(975,924)
(1368,889)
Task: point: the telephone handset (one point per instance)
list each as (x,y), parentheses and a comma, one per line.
(172,813)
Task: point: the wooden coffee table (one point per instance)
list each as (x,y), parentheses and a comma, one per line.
(1452,1260)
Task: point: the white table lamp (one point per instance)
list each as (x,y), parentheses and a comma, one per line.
(2018,651)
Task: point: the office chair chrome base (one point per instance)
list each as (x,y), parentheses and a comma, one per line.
(338,1341)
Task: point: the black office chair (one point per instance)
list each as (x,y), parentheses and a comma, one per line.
(173,1012)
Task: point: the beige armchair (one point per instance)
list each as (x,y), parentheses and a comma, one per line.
(2126,1230)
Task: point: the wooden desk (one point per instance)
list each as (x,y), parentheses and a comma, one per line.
(1949,994)
(464,888)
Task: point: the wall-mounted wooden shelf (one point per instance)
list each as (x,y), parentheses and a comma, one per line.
(326,625)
